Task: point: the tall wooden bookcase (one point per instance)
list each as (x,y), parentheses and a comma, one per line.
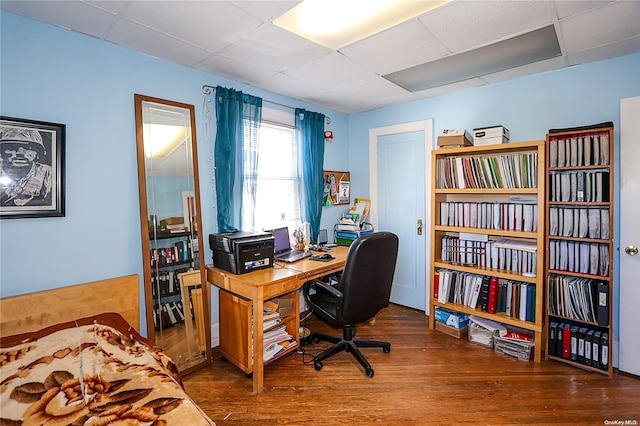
(479,176)
(579,241)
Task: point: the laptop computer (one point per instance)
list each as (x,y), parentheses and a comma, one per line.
(282,247)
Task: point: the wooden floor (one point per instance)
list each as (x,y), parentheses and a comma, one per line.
(427,378)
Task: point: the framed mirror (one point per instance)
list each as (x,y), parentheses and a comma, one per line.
(176,290)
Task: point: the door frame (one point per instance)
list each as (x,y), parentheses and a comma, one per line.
(426,126)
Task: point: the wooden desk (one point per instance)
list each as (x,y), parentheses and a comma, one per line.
(258,286)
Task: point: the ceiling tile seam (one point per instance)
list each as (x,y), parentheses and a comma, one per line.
(444,46)
(116,16)
(176,38)
(555,19)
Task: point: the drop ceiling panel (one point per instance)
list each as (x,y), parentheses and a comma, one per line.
(275,49)
(266,10)
(235,39)
(142,39)
(463,25)
(567,8)
(288,86)
(330,71)
(612,23)
(209,24)
(80,17)
(625,47)
(235,70)
(381,52)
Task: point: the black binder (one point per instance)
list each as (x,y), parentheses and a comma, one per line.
(574,343)
(553,329)
(604,346)
(588,341)
(595,349)
(603,304)
(582,332)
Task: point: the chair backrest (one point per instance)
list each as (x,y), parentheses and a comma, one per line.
(367,276)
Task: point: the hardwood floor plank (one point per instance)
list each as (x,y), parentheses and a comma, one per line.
(427,378)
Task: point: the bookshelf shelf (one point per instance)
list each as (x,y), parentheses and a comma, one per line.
(580,182)
(489,194)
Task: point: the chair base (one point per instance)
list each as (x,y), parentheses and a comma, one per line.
(348,344)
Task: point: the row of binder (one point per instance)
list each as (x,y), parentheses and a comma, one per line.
(581,344)
(583,222)
(178,252)
(518,170)
(590,186)
(490,215)
(166,282)
(491,254)
(583,258)
(580,150)
(581,298)
(168,314)
(490,294)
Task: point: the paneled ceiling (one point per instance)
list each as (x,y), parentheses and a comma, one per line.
(237,39)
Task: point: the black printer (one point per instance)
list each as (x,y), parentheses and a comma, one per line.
(241,252)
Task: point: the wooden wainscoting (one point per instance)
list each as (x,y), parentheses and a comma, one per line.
(427,378)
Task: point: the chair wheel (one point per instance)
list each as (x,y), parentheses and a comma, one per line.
(386,349)
(369,372)
(317,365)
(248,375)
(315,339)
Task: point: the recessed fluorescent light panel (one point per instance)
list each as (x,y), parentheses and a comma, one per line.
(339,23)
(521,50)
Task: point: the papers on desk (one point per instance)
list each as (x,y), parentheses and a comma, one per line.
(276,341)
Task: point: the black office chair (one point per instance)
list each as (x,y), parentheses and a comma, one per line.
(363,290)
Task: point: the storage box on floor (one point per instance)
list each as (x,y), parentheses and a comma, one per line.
(495,335)
(451,322)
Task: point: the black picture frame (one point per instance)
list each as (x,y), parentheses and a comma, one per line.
(31,168)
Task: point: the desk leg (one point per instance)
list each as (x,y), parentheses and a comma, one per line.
(258,341)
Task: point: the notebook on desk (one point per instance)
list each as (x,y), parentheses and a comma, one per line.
(282,247)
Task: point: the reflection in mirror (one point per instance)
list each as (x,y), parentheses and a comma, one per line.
(177,302)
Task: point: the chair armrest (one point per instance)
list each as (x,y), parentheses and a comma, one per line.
(326,287)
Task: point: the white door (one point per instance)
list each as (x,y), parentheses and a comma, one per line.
(400,161)
(629,336)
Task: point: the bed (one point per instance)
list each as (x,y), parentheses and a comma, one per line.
(73,356)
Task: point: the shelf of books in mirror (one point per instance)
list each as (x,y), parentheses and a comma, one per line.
(578,269)
(486,235)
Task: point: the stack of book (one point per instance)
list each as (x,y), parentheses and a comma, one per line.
(519,345)
(276,341)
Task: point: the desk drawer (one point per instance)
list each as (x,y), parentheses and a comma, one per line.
(277,289)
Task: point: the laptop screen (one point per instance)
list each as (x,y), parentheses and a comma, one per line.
(281,239)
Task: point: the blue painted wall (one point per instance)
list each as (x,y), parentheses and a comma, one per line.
(528,107)
(50,74)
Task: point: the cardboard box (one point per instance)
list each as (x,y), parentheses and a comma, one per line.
(454,137)
(490,135)
(285,306)
(491,141)
(452,331)
(172,221)
(451,318)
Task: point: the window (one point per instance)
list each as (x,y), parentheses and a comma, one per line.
(277,201)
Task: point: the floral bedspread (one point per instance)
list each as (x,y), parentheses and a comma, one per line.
(94,371)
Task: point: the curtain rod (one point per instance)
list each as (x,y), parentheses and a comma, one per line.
(207,90)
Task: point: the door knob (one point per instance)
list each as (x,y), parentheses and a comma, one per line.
(419,226)
(631,250)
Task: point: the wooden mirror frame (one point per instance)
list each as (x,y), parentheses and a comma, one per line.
(139,100)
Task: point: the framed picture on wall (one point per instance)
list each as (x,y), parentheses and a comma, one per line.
(31,168)
(336,188)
